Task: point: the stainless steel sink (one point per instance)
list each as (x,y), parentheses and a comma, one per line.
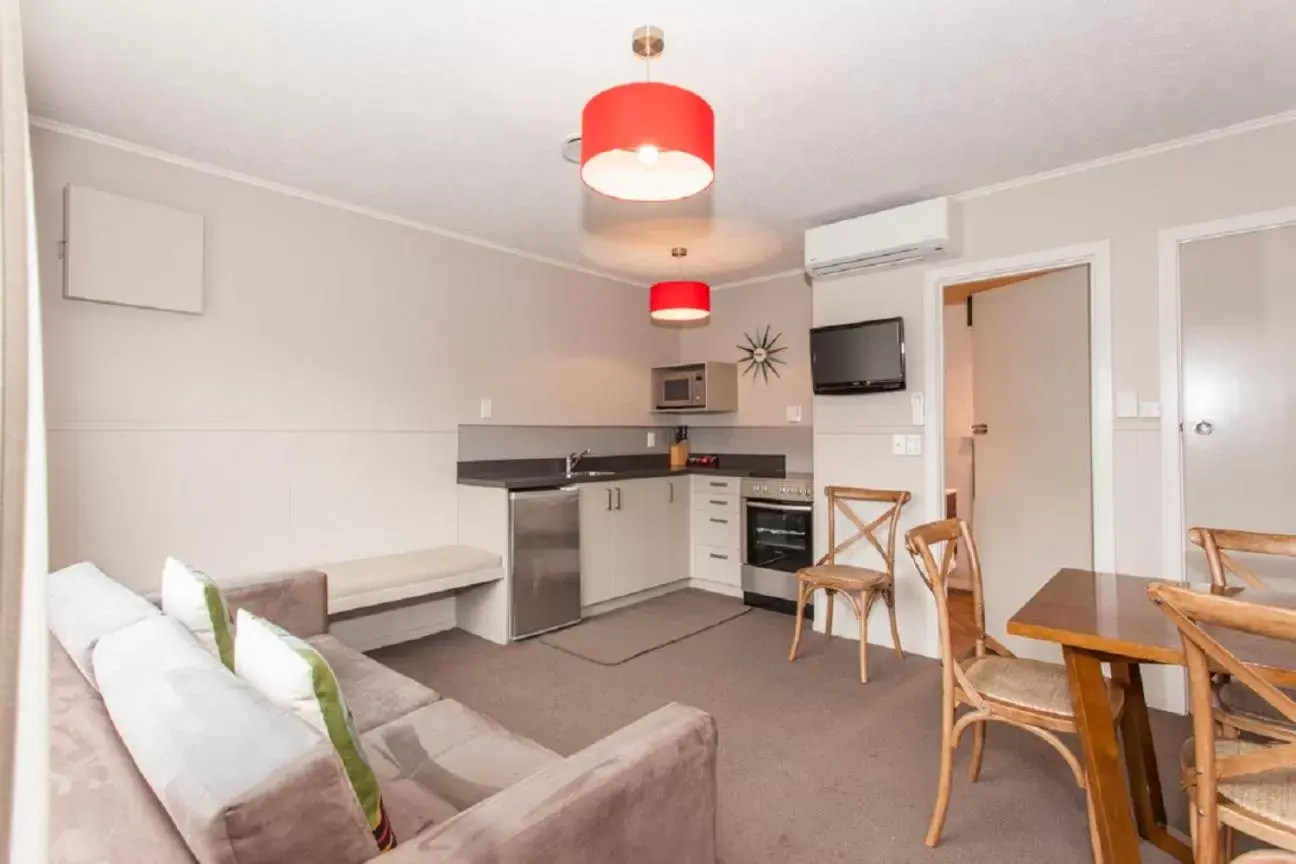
(572,475)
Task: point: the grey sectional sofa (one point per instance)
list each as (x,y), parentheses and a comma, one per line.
(151,764)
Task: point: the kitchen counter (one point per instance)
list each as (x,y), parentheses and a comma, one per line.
(522,474)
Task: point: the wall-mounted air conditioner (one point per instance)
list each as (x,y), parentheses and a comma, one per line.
(900,236)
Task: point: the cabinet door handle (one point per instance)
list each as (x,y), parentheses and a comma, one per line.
(720,521)
(671,500)
(609,504)
(719,485)
(721,557)
(718,503)
(618,490)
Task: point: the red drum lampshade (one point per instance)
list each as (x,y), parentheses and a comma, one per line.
(680,301)
(648,142)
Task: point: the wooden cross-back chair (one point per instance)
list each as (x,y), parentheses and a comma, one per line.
(1237,785)
(988,680)
(861,586)
(1237,708)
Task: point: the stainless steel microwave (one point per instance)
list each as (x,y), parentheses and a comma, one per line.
(696,387)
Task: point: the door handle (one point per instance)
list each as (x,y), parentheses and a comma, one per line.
(720,521)
(618,491)
(980,428)
(609,504)
(719,485)
(719,557)
(1204,427)
(671,499)
(717,503)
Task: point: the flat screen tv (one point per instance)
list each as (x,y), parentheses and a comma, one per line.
(864,357)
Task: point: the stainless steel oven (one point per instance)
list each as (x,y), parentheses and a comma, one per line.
(778,540)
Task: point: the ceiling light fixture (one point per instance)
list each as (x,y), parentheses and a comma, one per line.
(679,300)
(647,141)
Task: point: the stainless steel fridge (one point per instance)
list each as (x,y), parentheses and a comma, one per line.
(544,556)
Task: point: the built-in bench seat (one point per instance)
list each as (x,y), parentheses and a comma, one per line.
(365,583)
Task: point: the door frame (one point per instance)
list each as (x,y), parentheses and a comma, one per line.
(1102,469)
(1173,519)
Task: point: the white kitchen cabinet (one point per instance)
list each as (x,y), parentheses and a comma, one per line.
(716,523)
(678,545)
(625,536)
(600,555)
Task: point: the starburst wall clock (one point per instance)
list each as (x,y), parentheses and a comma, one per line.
(760,354)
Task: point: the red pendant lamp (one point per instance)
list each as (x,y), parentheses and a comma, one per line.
(648,141)
(679,300)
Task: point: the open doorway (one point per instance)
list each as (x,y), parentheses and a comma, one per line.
(1017,449)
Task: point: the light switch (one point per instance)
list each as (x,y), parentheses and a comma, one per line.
(487,409)
(1149,409)
(897,445)
(918,409)
(794,413)
(913,445)
(652,439)
(1127,403)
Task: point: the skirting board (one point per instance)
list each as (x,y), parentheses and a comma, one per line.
(716,587)
(392,626)
(631,599)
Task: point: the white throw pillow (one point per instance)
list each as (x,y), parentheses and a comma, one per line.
(192,598)
(292,674)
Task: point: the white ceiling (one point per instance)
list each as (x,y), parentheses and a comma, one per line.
(452,112)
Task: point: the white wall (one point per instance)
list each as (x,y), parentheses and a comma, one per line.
(783,304)
(310,414)
(1126,202)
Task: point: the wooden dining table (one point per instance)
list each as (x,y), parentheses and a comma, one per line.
(1107,618)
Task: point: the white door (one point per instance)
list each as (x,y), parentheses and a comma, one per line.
(679,547)
(1238,307)
(1030,354)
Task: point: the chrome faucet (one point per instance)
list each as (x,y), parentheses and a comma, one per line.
(573,458)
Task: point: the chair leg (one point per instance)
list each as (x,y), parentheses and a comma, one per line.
(978,751)
(889,598)
(1094,842)
(803,593)
(865,603)
(832,601)
(946,778)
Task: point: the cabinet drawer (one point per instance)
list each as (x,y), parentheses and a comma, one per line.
(723,485)
(717,529)
(707,504)
(718,565)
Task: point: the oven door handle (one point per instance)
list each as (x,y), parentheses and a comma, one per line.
(783,508)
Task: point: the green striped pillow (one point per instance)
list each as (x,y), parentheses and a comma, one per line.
(291,673)
(191,597)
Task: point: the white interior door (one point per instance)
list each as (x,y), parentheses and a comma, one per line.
(1238,305)
(1034,489)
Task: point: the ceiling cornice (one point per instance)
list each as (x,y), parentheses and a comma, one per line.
(292,191)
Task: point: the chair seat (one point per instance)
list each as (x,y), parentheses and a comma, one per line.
(842,577)
(1032,685)
(1237,698)
(1271,795)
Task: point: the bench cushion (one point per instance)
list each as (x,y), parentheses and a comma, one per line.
(376,694)
(368,582)
(445,758)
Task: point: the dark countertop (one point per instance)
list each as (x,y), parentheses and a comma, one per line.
(522,474)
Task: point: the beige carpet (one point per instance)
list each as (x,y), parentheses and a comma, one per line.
(813,766)
(616,637)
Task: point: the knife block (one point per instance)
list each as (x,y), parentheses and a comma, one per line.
(679,453)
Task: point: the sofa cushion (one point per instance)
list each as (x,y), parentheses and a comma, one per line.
(100,807)
(291,673)
(244,781)
(85,605)
(191,597)
(444,758)
(376,694)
